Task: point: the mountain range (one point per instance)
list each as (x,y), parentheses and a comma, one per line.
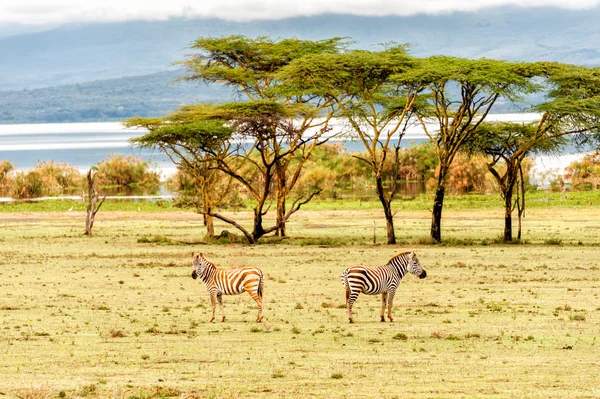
(46,75)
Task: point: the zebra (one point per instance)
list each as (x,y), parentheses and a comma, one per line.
(219,282)
(382,280)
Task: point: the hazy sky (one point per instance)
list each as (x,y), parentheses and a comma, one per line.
(60,11)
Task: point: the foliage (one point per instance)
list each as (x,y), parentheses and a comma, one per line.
(125,171)
(46,178)
(6,167)
(585,173)
(360,86)
(417,163)
(467,174)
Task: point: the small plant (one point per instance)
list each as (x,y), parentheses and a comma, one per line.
(337,376)
(157,239)
(117,334)
(452,337)
(319,330)
(87,390)
(577,317)
(473,335)
(553,241)
(277,374)
(299,306)
(400,337)
(296,330)
(255,329)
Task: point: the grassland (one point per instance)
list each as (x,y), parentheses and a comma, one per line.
(118,316)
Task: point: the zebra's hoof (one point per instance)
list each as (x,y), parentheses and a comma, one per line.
(351,321)
(382,319)
(391,319)
(223,319)
(211,320)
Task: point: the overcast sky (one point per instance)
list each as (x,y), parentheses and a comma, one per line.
(37,12)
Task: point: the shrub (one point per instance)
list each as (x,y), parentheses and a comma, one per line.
(468,174)
(47,178)
(5,168)
(400,337)
(584,174)
(125,171)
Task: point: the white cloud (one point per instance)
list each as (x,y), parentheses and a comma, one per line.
(60,11)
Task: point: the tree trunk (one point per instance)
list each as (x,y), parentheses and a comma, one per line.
(508,216)
(519,229)
(210,225)
(258,230)
(92,208)
(438,205)
(387,211)
(520,199)
(436,217)
(281,210)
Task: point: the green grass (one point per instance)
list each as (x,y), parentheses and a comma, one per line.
(423,202)
(112,317)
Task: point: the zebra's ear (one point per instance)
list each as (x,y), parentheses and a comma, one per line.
(193,253)
(414,253)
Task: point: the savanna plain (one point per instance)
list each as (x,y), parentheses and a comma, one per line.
(119,316)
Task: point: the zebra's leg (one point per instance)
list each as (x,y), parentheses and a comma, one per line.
(390,298)
(383,305)
(213,304)
(350,299)
(256,294)
(220,299)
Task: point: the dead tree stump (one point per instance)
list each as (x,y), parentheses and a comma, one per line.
(92,208)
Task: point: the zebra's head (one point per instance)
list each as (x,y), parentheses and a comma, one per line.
(414,266)
(197,263)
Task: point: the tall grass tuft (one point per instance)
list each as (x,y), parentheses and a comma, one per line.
(5,168)
(126,171)
(47,178)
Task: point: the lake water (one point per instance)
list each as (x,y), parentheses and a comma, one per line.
(86,144)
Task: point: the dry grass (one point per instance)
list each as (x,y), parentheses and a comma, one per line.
(111,317)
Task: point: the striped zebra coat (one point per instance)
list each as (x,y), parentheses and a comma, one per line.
(382,280)
(219,282)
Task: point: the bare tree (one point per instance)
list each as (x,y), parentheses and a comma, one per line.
(93,206)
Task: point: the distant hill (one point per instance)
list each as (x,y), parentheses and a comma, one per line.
(106,100)
(72,56)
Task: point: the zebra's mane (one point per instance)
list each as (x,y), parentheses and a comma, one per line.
(207,261)
(397,256)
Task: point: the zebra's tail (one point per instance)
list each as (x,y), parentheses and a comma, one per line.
(345,278)
(345,283)
(260,288)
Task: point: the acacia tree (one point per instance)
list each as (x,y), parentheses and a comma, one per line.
(508,144)
(249,67)
(461,95)
(376,107)
(572,109)
(186,143)
(236,139)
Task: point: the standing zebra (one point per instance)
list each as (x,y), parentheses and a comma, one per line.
(219,282)
(382,280)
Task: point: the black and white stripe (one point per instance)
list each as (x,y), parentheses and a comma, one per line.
(219,282)
(382,280)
